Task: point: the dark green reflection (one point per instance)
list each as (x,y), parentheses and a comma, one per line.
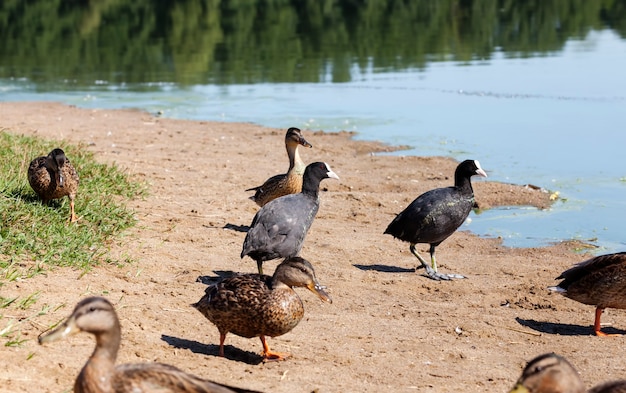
(74,43)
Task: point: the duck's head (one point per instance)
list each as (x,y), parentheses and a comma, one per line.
(55,161)
(549,373)
(294,137)
(94,315)
(298,272)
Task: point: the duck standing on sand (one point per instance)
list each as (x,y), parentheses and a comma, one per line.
(278,229)
(433,216)
(52,177)
(253,305)
(285,183)
(551,373)
(599,281)
(97,316)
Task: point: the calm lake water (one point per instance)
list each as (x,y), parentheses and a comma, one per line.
(534,106)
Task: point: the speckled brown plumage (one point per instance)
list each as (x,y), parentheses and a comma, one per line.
(551,373)
(285,183)
(548,373)
(97,316)
(52,177)
(599,281)
(252,305)
(610,387)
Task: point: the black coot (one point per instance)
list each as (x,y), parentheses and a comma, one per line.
(279,227)
(436,214)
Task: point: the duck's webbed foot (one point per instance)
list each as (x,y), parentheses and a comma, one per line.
(272,356)
(73,217)
(597,326)
(269,355)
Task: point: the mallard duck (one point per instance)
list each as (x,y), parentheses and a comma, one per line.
(278,229)
(252,305)
(599,281)
(52,177)
(433,216)
(97,316)
(285,183)
(551,373)
(610,387)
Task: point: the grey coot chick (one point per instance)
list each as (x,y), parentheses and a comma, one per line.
(97,316)
(551,373)
(599,281)
(252,305)
(285,183)
(433,216)
(278,229)
(53,177)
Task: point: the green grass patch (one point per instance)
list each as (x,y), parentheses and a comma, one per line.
(32,231)
(11,326)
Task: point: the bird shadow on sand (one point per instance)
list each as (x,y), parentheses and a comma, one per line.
(220,275)
(230,352)
(237,228)
(384,268)
(564,329)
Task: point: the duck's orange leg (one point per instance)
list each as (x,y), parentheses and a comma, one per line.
(269,355)
(73,216)
(596,325)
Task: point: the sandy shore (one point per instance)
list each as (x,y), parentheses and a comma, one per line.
(389,327)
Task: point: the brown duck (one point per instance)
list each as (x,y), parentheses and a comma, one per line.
(285,183)
(97,316)
(599,281)
(551,373)
(252,305)
(52,177)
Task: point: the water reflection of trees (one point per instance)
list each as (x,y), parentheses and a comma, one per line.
(200,41)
